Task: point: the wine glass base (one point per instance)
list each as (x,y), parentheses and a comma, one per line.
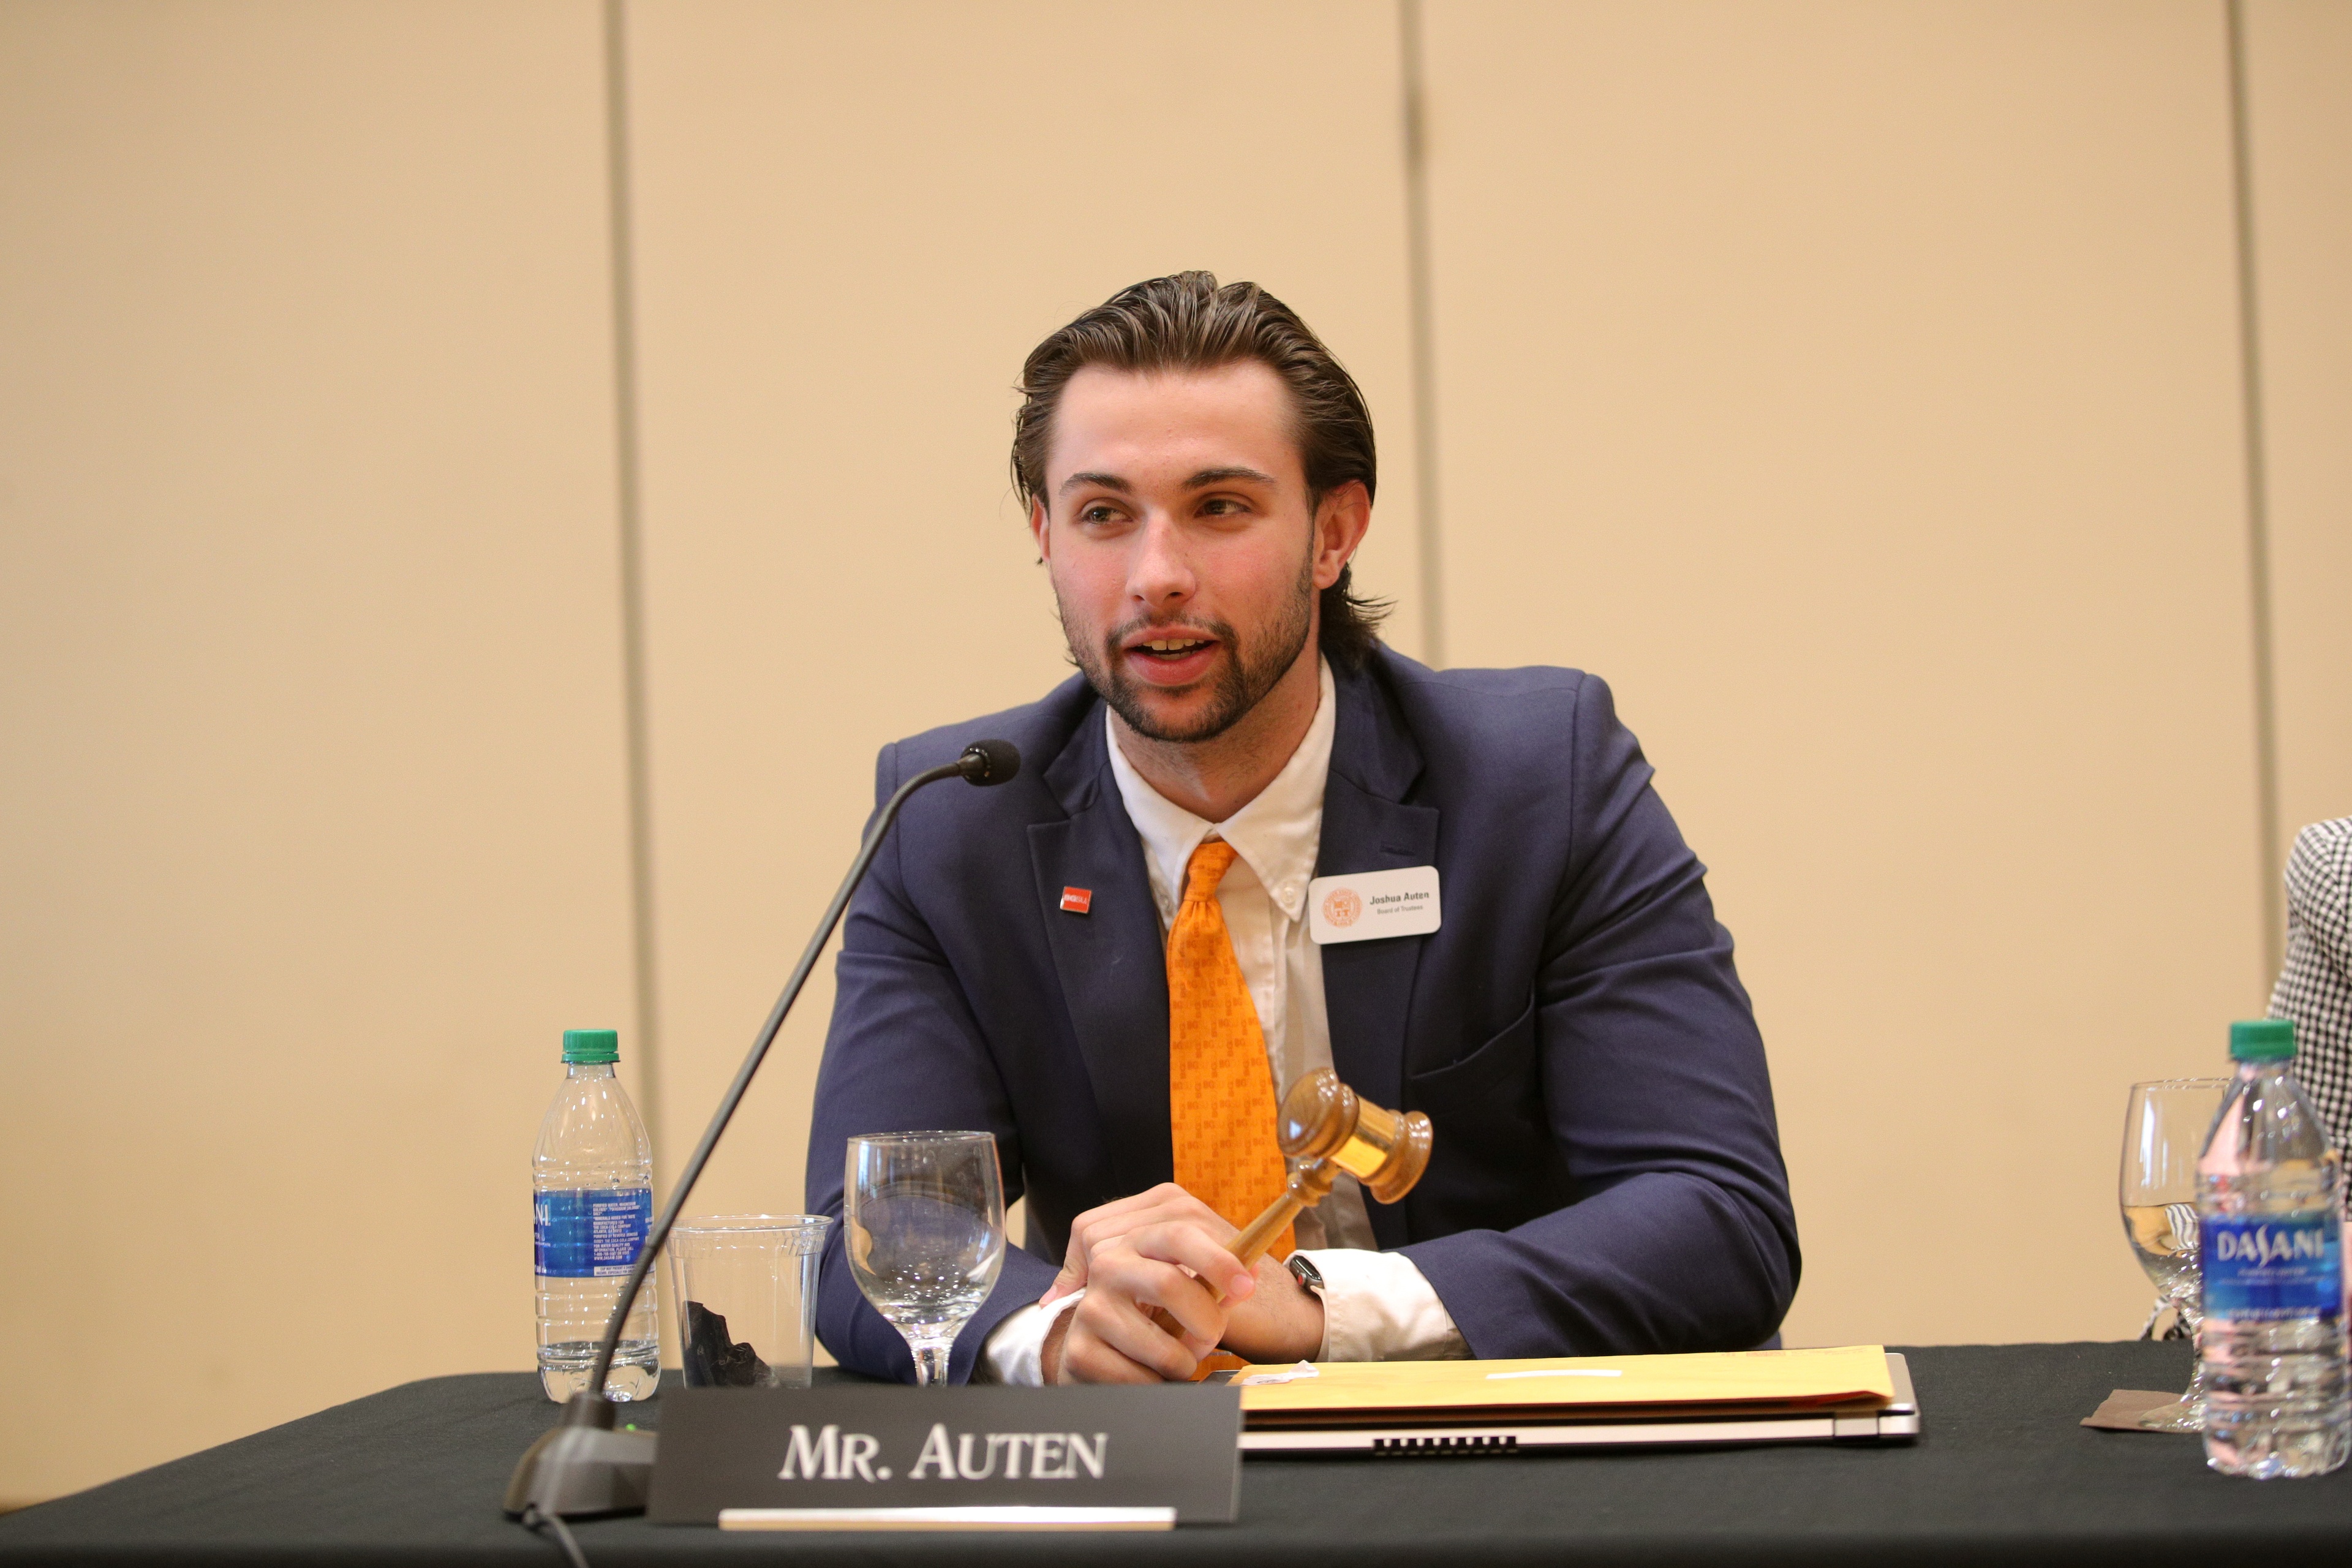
(2175,1415)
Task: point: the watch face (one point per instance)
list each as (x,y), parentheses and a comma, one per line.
(1305,1272)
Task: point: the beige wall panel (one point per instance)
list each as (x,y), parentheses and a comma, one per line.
(312,830)
(2299,94)
(853,223)
(1855,387)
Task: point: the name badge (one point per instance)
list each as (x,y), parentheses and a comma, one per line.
(1369,905)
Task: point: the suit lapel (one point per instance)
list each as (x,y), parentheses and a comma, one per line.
(1111,960)
(1367,985)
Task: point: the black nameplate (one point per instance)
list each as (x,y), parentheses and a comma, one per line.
(881,1445)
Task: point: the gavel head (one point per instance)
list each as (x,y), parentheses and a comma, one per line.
(1323,1119)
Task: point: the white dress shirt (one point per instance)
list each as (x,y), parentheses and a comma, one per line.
(1377,1306)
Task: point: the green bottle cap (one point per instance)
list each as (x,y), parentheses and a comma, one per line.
(605,1045)
(2262,1040)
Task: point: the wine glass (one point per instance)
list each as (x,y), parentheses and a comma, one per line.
(2166,1124)
(924,1214)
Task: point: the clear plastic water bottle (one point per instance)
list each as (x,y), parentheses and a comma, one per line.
(2271,1243)
(593,1202)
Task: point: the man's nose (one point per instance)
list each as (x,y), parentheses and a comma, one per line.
(1161,573)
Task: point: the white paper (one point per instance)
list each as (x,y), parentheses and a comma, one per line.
(1559,1372)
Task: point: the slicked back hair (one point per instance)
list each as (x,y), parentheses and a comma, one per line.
(1187,321)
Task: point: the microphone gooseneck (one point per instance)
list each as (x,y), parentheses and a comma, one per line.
(982,763)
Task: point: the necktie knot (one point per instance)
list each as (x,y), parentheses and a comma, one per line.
(1208,865)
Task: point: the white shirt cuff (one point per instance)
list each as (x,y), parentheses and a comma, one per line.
(1016,1348)
(1378,1306)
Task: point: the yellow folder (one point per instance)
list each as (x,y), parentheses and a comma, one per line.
(1569,1385)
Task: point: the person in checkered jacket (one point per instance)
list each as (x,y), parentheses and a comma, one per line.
(2314,988)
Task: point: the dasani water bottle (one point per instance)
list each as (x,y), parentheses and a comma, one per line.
(593,1202)
(2270,1237)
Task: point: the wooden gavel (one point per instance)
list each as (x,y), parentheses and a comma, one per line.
(1325,1128)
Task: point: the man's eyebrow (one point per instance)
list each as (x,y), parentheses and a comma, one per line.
(1208,477)
(1108,482)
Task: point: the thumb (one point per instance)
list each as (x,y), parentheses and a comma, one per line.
(1066,1282)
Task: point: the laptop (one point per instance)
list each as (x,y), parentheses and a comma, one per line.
(1894,1420)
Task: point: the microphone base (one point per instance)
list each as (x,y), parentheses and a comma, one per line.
(583,1465)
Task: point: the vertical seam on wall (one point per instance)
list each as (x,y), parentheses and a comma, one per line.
(2258,544)
(1422,309)
(632,613)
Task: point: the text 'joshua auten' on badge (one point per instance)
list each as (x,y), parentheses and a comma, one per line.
(1365,906)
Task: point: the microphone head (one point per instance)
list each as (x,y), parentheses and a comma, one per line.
(990,761)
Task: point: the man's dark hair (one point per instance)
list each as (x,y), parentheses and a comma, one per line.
(1187,322)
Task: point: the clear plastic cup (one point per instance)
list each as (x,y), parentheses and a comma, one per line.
(745,1287)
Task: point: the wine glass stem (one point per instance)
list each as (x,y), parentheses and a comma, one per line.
(931,1362)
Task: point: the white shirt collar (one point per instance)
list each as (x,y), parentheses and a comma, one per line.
(1277,833)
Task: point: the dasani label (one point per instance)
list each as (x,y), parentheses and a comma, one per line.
(2259,1268)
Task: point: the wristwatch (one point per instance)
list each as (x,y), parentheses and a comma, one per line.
(1302,1268)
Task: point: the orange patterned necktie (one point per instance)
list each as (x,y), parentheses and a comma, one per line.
(1220,1085)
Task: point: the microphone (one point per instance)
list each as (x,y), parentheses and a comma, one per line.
(583,1465)
(989,762)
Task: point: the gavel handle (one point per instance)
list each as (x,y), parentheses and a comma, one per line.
(1249,1245)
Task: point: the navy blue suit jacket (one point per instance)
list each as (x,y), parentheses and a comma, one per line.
(1607,1175)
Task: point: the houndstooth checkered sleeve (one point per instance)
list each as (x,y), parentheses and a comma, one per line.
(2315,989)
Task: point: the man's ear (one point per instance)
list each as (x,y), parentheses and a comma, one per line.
(1342,521)
(1039,532)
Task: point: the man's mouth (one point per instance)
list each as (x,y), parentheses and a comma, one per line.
(1169,658)
(1171,648)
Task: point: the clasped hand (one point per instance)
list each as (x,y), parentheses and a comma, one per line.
(1166,1248)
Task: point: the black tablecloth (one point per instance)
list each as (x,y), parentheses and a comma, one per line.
(2003,1471)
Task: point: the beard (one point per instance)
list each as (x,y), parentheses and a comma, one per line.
(1248,672)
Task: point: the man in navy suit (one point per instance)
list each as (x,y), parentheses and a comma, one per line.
(1607,1174)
